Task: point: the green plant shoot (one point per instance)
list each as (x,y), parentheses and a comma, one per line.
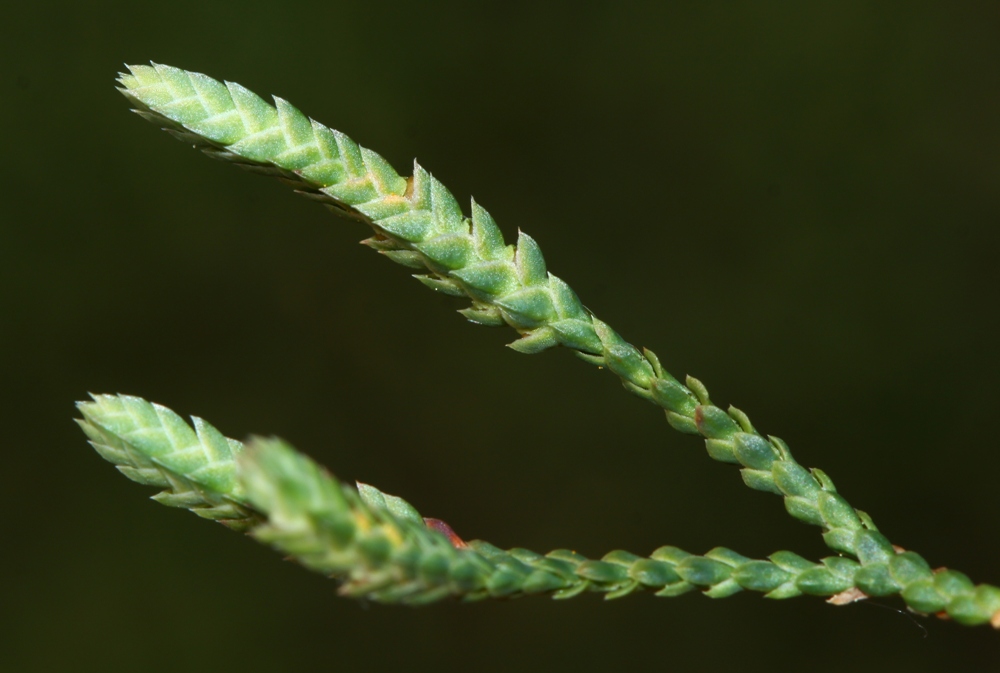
(378,545)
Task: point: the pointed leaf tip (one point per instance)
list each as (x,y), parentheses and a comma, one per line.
(446,530)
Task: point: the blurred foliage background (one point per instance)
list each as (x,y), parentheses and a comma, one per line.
(795,202)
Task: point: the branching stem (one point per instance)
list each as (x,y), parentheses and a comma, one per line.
(418,223)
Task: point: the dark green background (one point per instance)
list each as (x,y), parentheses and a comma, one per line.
(796,202)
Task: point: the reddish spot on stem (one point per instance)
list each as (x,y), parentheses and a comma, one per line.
(847,597)
(443,528)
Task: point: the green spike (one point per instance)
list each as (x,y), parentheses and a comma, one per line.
(419,223)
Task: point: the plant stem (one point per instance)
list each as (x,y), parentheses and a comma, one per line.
(418,223)
(381,548)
